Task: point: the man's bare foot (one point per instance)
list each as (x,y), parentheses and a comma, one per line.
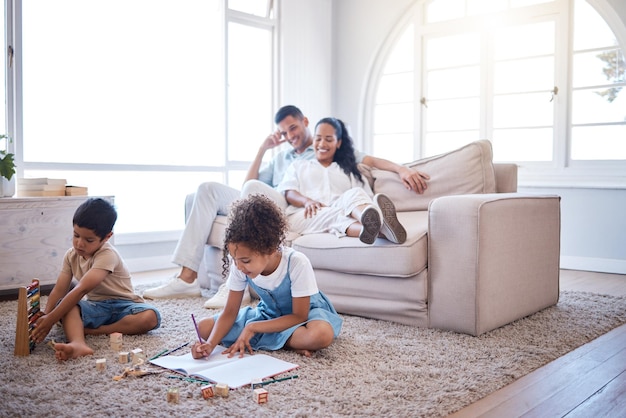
(305,353)
(71,350)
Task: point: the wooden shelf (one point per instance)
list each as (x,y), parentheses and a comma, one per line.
(35,233)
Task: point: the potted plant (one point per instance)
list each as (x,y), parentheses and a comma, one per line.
(7,171)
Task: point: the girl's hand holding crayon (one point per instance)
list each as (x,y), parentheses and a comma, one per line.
(200,350)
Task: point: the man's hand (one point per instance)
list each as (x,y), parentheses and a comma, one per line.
(414,180)
(273,140)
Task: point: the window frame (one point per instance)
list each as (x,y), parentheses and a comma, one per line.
(561,171)
(14,114)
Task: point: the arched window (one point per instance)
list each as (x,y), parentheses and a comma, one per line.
(542,79)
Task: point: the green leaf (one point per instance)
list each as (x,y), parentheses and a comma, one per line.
(7,165)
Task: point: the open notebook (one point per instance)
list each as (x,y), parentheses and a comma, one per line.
(219,368)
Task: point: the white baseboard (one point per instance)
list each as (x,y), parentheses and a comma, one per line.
(601,265)
(141,264)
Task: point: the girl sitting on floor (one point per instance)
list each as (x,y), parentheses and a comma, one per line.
(292,312)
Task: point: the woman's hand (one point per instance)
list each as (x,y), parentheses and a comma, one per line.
(414,180)
(311,207)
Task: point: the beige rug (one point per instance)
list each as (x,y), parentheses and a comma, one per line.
(374,368)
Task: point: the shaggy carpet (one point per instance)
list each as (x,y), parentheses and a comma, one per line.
(374,367)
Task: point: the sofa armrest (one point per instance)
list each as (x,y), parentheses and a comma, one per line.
(506,177)
(492,259)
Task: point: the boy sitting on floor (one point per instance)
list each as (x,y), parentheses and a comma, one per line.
(111,305)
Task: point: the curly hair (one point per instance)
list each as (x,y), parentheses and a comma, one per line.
(257,222)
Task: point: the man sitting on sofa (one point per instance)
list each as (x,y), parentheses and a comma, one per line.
(212,199)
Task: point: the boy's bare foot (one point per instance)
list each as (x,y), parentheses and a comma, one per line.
(71,350)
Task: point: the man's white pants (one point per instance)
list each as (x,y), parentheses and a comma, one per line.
(210,200)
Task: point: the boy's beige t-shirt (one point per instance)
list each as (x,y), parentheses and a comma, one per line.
(116,285)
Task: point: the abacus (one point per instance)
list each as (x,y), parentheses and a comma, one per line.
(28,311)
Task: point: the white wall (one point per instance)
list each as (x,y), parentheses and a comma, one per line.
(593,220)
(306,44)
(593,228)
(361,28)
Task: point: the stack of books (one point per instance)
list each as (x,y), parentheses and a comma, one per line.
(30,187)
(75,191)
(33,187)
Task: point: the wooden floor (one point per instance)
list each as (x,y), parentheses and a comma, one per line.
(587,382)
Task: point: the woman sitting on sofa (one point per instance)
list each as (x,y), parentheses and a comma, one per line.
(329,194)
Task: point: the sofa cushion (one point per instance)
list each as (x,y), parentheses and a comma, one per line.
(383,258)
(467,170)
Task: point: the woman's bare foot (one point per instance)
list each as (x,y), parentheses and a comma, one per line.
(71,350)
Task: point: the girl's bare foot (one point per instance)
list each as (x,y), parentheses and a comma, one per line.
(305,353)
(71,350)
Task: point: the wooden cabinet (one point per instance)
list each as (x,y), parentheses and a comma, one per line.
(35,233)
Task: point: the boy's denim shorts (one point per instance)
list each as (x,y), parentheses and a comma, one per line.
(105,312)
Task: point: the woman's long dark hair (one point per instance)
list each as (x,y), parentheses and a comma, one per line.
(344,156)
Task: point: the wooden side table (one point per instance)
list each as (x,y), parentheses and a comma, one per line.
(35,233)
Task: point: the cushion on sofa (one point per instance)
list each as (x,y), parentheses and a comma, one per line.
(467,170)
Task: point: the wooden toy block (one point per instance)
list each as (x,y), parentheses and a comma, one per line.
(124,357)
(256,383)
(101,364)
(172,395)
(116,341)
(137,356)
(221,389)
(207,391)
(260,395)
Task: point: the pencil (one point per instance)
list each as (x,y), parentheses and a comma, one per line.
(188,379)
(195,324)
(282,379)
(175,349)
(159,355)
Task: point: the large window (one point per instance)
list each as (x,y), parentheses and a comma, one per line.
(545,88)
(4,143)
(143,99)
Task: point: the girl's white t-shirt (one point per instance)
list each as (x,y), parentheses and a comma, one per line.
(303,281)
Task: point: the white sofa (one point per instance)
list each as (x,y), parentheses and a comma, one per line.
(478,255)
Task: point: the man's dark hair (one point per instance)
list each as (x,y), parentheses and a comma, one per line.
(288,110)
(97,215)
